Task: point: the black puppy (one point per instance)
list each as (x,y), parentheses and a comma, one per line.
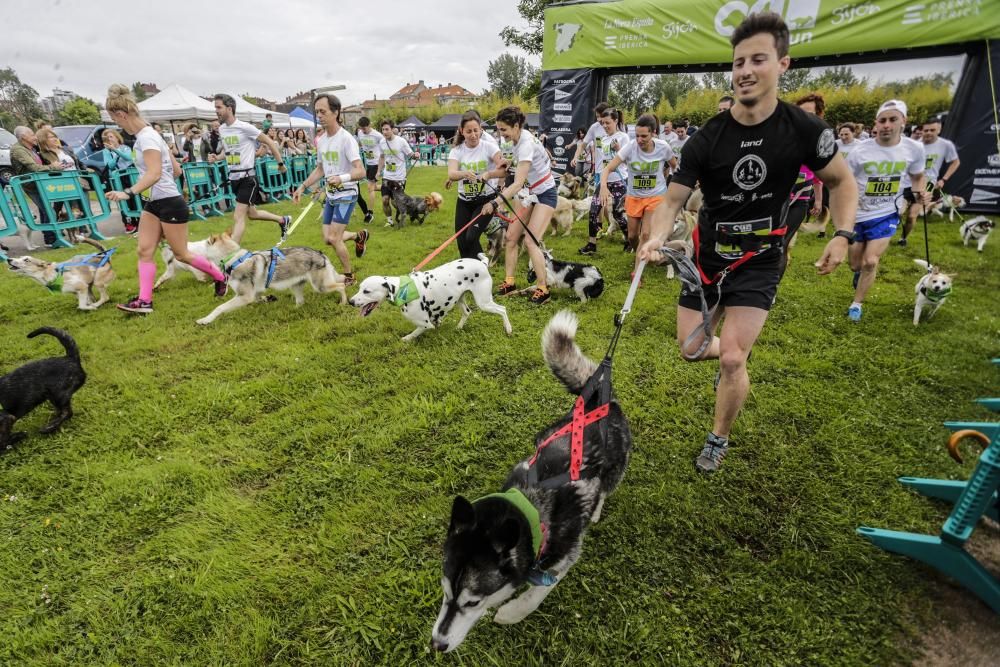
(54,380)
(415,208)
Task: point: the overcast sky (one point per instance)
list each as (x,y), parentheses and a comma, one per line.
(274,49)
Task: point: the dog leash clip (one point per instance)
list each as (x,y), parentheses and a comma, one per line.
(539,577)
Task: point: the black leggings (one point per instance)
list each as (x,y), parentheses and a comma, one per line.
(468,241)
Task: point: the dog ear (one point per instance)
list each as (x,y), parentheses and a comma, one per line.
(463,516)
(506,536)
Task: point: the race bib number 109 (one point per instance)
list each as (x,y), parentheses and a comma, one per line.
(643,183)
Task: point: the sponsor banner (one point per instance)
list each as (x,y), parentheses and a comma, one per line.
(623,33)
(564,104)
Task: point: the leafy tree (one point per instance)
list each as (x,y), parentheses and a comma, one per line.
(794,79)
(534,86)
(138,92)
(80,111)
(835,77)
(18,99)
(717,81)
(628,91)
(509,74)
(670,87)
(530,39)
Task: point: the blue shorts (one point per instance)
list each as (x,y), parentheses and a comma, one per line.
(339,210)
(549,198)
(878,228)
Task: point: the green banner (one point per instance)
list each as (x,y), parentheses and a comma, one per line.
(624,33)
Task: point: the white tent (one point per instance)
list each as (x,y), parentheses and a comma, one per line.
(254,114)
(175,102)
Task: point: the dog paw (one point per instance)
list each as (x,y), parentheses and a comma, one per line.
(511,613)
(203,321)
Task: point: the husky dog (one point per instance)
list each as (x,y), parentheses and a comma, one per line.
(81,279)
(584,279)
(977,229)
(415,208)
(195,248)
(932,290)
(426,297)
(494,545)
(54,380)
(248,273)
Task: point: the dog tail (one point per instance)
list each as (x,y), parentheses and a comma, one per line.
(72,351)
(563,355)
(923,264)
(92,242)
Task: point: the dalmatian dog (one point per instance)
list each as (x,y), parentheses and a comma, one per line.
(426,297)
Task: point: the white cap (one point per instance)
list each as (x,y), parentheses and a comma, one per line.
(892,105)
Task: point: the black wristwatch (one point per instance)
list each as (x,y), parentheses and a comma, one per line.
(129,192)
(850,236)
(281,164)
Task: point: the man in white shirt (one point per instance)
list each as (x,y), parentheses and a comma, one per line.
(668,134)
(239,139)
(937,153)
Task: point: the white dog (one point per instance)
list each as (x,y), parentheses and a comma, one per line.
(195,248)
(977,229)
(932,290)
(426,297)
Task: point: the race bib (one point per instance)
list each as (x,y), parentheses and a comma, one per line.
(473,188)
(644,183)
(232,159)
(390,166)
(369,155)
(728,247)
(882,186)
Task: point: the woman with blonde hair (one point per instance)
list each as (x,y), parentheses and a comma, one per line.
(164,214)
(117,156)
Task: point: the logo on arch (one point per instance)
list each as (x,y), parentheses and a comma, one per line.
(798,14)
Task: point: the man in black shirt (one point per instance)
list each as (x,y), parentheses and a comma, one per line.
(746,160)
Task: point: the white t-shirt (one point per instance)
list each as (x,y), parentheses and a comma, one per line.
(669,137)
(239,141)
(529,149)
(337,152)
(878,170)
(605,149)
(905,183)
(369,146)
(677,145)
(847,149)
(395,153)
(65,161)
(936,155)
(149,139)
(645,170)
(479,160)
(594,132)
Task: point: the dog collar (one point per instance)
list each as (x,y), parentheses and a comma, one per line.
(935,296)
(56,284)
(406,292)
(515,497)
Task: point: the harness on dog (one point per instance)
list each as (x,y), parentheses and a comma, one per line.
(275,256)
(539,532)
(229,268)
(406,293)
(103,257)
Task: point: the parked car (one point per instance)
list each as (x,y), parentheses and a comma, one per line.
(6,141)
(85,142)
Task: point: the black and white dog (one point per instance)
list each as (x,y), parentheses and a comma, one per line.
(584,279)
(533,532)
(54,380)
(426,297)
(977,229)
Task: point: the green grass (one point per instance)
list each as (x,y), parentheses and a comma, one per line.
(275,487)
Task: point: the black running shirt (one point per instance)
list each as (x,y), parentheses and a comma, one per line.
(747,173)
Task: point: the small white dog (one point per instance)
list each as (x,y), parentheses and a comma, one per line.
(195,248)
(949,203)
(977,229)
(932,290)
(426,297)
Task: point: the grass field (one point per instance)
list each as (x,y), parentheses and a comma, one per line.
(275,487)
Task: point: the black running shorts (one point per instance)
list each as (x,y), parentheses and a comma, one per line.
(171,210)
(247,191)
(753,285)
(371,172)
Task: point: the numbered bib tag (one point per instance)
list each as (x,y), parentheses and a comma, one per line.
(727,236)
(369,155)
(644,183)
(882,186)
(391,166)
(473,188)
(233,160)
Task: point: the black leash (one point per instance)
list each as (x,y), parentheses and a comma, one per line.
(513,210)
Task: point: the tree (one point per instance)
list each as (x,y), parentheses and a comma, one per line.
(80,111)
(628,92)
(533,87)
(532,11)
(793,80)
(138,91)
(717,81)
(18,99)
(670,87)
(509,75)
(835,77)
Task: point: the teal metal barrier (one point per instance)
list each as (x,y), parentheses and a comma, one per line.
(271,180)
(9,216)
(220,179)
(298,169)
(65,188)
(126,178)
(203,194)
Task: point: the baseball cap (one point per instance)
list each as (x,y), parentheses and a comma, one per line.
(892,105)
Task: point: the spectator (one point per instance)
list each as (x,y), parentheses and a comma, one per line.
(118,156)
(582,166)
(214,142)
(195,148)
(25,160)
(302,142)
(432,139)
(725,103)
(268,122)
(52,153)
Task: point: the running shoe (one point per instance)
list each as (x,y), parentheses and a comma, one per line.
(359,243)
(627,247)
(369,216)
(540,296)
(221,287)
(286,221)
(712,453)
(506,288)
(588,249)
(901,242)
(137,305)
(854,313)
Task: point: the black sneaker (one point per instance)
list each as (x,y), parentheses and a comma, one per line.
(137,305)
(712,454)
(359,243)
(221,287)
(627,247)
(539,296)
(369,216)
(286,221)
(506,288)
(588,249)
(821,235)
(901,242)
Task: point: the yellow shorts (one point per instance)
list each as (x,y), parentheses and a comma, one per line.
(636,206)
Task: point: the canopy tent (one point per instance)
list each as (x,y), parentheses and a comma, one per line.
(175,102)
(587,41)
(294,122)
(252,113)
(299,112)
(412,123)
(446,123)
